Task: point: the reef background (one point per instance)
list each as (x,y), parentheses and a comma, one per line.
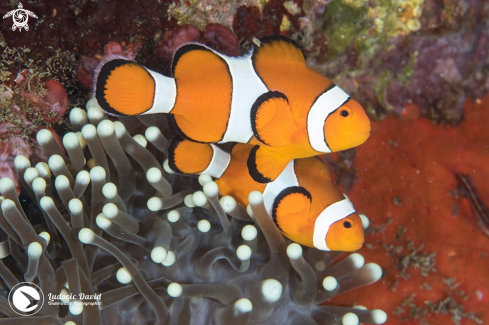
(419,67)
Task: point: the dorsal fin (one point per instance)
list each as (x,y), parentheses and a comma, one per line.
(278,48)
(185,156)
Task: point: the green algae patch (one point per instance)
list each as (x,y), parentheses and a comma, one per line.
(345,24)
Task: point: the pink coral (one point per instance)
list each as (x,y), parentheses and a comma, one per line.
(87,65)
(53,104)
(216,36)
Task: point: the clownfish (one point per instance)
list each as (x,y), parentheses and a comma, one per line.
(269,98)
(303,201)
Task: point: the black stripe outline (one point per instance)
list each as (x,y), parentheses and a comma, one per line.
(102,77)
(171,153)
(283,194)
(256,106)
(176,57)
(252,168)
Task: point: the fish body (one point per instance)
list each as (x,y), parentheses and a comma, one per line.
(268,97)
(303,201)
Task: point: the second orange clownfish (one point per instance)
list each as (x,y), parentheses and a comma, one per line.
(303,201)
(269,98)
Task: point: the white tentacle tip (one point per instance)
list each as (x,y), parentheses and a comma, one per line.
(255,198)
(379,316)
(189,201)
(86,236)
(249,232)
(154,204)
(242,306)
(6,184)
(365,221)
(109,190)
(158,254)
(75,206)
(271,290)
(21,162)
(141,139)
(34,250)
(211,189)
(357,260)
(46,236)
(375,271)
(244,252)
(154,174)
(105,128)
(44,136)
(46,202)
(103,222)
(174,290)
(166,167)
(294,251)
(173,216)
(204,225)
(204,179)
(350,319)
(170,259)
(75,307)
(123,276)
(97,174)
(330,283)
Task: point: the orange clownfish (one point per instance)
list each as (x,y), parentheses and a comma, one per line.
(303,201)
(268,97)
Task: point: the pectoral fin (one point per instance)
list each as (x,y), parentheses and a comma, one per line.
(265,165)
(271,119)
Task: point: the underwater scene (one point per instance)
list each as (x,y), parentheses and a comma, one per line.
(299,162)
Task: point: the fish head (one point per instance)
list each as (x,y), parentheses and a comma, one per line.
(346,234)
(346,127)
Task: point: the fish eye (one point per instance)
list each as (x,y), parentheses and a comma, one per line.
(345,113)
(348,223)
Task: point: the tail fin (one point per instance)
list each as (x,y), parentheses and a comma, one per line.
(124,87)
(185,156)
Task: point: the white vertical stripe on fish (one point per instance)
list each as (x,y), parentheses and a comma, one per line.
(286,179)
(327,102)
(165,93)
(330,215)
(247,87)
(219,162)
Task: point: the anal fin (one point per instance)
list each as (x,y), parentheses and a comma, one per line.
(265,165)
(185,156)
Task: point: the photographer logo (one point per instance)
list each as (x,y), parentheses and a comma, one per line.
(20,17)
(26,299)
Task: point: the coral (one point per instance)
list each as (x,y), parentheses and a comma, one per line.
(391,53)
(202,13)
(422,229)
(87,65)
(167,263)
(215,36)
(29,100)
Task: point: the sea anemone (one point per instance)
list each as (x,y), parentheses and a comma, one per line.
(108,234)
